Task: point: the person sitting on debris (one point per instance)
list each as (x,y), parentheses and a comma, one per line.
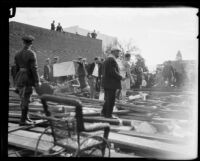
(53,25)
(82,74)
(94,35)
(47,70)
(59,28)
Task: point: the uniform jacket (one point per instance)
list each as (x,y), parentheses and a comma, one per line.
(111,78)
(26,68)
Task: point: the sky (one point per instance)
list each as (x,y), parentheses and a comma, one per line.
(158,32)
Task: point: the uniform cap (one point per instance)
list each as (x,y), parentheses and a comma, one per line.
(28,38)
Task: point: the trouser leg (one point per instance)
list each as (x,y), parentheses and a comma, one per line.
(25,94)
(109,102)
(105,103)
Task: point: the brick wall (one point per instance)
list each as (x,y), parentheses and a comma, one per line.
(48,43)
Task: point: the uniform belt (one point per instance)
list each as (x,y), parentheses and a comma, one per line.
(23,69)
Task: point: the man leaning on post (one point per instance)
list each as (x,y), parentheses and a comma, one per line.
(111,81)
(26,77)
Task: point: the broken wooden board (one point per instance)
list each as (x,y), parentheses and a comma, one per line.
(17,127)
(28,140)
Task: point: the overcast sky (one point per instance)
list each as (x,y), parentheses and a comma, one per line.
(158,32)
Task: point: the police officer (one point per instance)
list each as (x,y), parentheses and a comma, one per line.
(26,77)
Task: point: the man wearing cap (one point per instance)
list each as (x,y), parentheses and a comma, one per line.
(26,77)
(111,81)
(47,70)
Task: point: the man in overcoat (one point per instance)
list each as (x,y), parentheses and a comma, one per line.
(111,81)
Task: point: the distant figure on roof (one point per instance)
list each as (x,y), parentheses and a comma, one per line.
(53,25)
(94,35)
(59,28)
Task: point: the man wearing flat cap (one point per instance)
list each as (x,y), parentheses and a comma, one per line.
(26,77)
(111,81)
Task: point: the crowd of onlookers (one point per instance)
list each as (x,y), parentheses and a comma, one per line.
(89,75)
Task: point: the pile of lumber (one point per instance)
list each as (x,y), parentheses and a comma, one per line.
(144,128)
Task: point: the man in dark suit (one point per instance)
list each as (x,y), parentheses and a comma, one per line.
(47,70)
(26,77)
(93,74)
(111,81)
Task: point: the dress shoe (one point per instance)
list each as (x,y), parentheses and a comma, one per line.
(111,117)
(29,120)
(24,123)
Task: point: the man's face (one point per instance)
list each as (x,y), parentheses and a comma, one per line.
(127,58)
(116,53)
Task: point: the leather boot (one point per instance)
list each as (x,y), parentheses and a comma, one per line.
(29,120)
(23,120)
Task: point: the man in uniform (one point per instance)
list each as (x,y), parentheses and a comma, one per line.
(111,81)
(26,77)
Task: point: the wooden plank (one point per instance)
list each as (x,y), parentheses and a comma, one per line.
(17,127)
(125,122)
(29,143)
(160,137)
(165,150)
(146,147)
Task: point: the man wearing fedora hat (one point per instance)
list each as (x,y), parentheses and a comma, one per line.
(26,77)
(111,81)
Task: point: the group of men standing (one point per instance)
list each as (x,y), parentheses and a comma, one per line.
(106,73)
(89,75)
